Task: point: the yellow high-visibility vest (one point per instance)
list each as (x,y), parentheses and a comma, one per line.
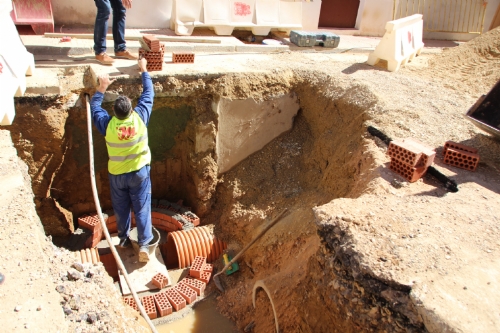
(127,143)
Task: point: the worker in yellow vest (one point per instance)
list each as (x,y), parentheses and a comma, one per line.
(126,135)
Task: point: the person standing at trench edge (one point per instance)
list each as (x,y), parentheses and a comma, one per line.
(126,136)
(104,8)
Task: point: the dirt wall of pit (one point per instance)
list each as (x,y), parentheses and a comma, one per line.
(323,156)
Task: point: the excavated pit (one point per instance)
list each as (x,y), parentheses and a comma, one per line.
(237,149)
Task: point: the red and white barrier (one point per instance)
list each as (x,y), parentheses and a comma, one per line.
(402,41)
(225,15)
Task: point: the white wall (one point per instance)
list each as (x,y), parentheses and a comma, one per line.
(374,14)
(371,19)
(153,14)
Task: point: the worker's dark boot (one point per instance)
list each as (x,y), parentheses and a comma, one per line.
(144,253)
(124,243)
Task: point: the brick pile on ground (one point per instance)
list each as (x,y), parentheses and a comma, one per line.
(460,156)
(410,158)
(179,296)
(154,57)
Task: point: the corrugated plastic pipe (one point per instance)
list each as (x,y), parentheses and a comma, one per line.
(184,245)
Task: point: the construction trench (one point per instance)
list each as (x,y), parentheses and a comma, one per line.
(301,144)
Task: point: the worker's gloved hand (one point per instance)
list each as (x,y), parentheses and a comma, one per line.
(142,65)
(104,82)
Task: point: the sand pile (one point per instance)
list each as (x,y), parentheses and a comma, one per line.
(475,64)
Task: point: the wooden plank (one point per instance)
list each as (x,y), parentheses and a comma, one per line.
(161,38)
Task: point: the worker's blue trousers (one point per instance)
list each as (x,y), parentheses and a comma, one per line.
(128,190)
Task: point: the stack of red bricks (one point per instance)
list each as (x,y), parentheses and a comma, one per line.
(92,223)
(460,156)
(184,292)
(410,158)
(154,57)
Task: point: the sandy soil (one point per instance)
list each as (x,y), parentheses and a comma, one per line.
(384,255)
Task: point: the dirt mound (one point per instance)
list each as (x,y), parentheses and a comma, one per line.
(476,63)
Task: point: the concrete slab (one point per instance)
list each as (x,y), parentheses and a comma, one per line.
(140,274)
(44,82)
(245,126)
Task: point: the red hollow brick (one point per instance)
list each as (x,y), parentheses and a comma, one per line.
(428,153)
(148,303)
(110,265)
(160,280)
(187,57)
(459,146)
(208,268)
(404,152)
(152,42)
(197,266)
(410,173)
(162,304)
(186,292)
(177,301)
(95,238)
(195,284)
(461,159)
(205,277)
(89,221)
(112,227)
(130,301)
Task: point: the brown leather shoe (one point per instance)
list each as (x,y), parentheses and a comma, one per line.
(126,54)
(104,59)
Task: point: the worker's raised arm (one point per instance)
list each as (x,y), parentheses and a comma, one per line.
(99,116)
(145,103)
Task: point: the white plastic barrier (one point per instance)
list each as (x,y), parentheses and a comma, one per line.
(402,41)
(225,15)
(16,63)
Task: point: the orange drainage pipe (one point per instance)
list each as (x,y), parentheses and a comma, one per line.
(184,245)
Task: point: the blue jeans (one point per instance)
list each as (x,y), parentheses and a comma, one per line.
(133,189)
(101,25)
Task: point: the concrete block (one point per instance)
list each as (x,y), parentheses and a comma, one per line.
(246,126)
(45,83)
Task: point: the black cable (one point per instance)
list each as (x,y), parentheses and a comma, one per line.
(375,132)
(448,183)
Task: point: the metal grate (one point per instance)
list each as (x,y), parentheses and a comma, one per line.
(461,16)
